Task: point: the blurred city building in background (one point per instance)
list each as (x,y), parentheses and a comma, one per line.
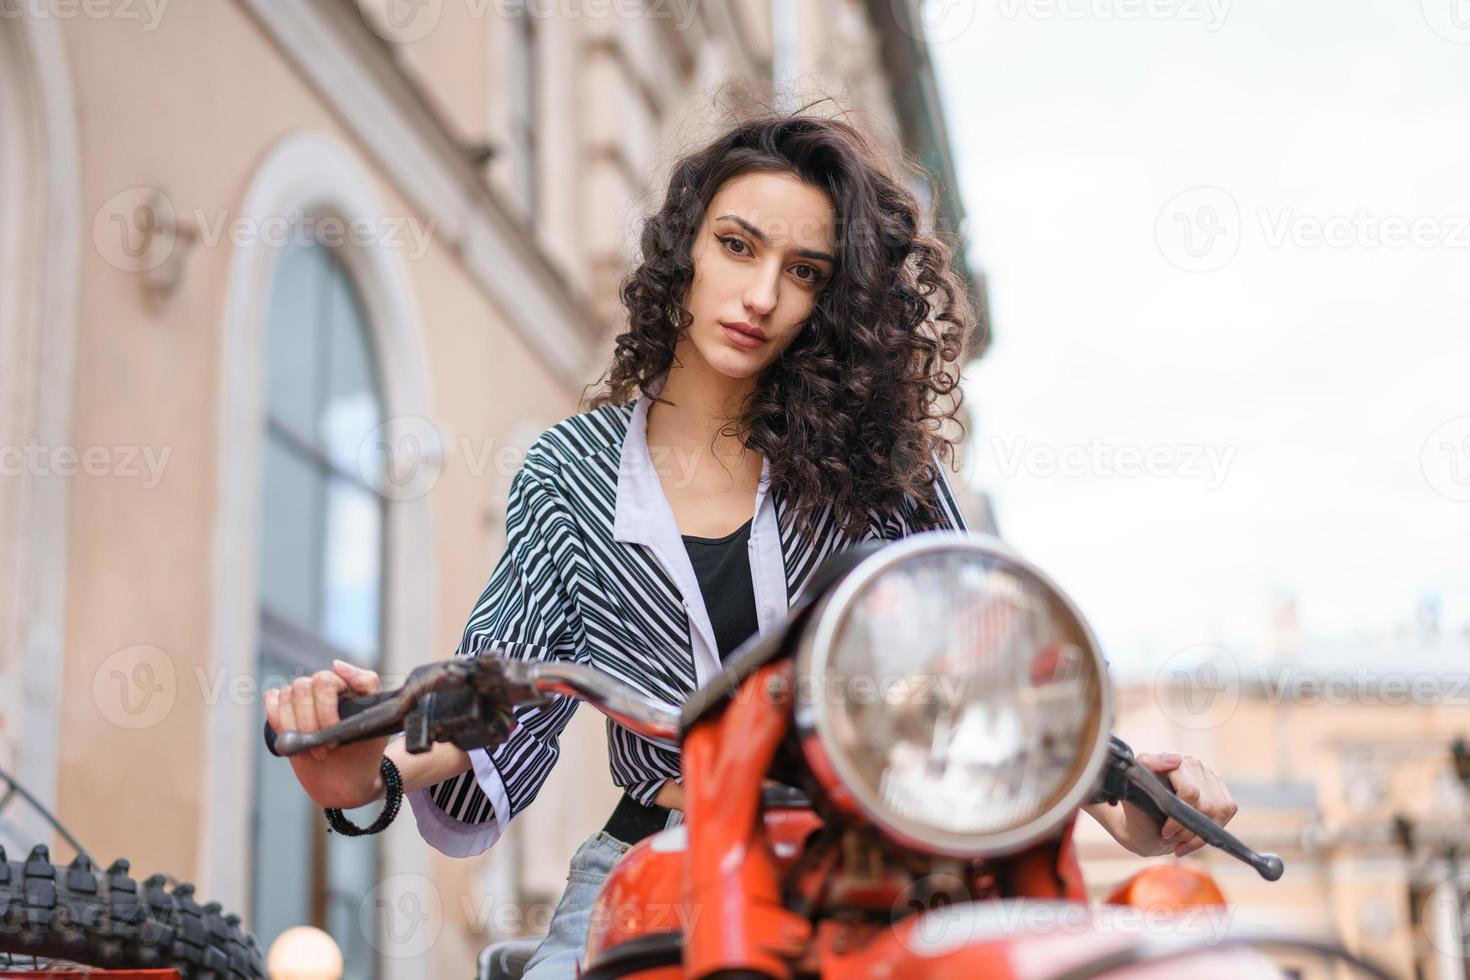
(287,290)
(248,247)
(1341,752)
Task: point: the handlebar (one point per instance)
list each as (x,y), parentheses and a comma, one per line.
(469,701)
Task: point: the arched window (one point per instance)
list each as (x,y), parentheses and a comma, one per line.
(321,578)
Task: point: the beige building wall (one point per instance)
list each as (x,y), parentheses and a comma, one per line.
(135,586)
(1322,762)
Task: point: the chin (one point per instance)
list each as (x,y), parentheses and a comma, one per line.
(732,363)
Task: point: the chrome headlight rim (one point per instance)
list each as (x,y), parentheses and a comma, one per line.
(840,786)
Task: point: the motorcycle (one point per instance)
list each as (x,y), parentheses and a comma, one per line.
(885,785)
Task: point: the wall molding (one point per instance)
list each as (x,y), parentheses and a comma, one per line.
(354,72)
(317,174)
(40,267)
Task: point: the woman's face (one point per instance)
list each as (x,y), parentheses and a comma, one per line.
(761,257)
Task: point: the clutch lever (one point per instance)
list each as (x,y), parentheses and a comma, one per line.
(466,701)
(1128,780)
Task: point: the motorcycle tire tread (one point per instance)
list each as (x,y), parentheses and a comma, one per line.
(77,914)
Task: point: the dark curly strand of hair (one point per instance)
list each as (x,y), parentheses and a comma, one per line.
(852,413)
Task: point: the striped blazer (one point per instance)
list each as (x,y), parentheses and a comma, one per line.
(595,571)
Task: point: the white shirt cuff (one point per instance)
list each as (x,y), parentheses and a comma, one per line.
(455,837)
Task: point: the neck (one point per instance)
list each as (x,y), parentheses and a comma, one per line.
(704,403)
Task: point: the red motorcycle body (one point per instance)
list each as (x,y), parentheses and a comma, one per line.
(722,882)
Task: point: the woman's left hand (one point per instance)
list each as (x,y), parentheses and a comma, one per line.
(1194,782)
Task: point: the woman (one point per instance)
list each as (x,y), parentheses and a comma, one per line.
(778,396)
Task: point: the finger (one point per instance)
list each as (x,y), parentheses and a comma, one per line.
(285,710)
(1171,829)
(360,679)
(1160,761)
(304,701)
(324,688)
(1220,815)
(1188,848)
(304,704)
(272,714)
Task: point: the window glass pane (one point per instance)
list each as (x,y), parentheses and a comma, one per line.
(321,569)
(290,533)
(351,410)
(293,345)
(352,570)
(283,832)
(352,871)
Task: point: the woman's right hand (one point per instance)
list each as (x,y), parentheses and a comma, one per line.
(339,776)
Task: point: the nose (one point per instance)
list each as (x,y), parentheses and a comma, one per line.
(760,290)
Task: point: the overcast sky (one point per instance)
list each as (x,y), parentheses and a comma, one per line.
(1228,243)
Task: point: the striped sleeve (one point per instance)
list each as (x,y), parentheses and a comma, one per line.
(951,517)
(523,613)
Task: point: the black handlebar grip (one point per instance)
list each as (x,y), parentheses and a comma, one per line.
(345,709)
(1145,803)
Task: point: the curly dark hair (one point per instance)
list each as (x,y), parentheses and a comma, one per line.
(851,415)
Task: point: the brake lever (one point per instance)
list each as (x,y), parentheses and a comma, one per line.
(1128,780)
(466,701)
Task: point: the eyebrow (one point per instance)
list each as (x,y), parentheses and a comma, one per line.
(805,253)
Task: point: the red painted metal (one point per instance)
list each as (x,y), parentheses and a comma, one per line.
(91,973)
(717,879)
(1172,886)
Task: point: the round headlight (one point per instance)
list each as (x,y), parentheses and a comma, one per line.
(950,694)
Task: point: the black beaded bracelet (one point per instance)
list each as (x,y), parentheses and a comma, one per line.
(393,786)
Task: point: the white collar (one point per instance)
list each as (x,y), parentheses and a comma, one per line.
(642,515)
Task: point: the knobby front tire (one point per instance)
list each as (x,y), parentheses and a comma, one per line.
(78,914)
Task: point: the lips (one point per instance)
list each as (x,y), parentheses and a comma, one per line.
(744,335)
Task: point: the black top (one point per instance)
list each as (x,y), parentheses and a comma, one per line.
(722,566)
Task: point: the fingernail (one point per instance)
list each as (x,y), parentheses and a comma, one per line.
(1172,757)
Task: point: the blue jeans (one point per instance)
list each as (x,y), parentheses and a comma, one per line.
(566,940)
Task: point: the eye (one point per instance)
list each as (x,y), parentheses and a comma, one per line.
(727,240)
(816,274)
